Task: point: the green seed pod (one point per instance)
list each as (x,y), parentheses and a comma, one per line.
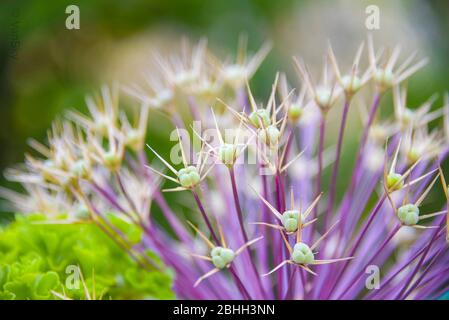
(227,153)
(302,254)
(408,214)
(384,78)
(392,181)
(189,177)
(270,135)
(295,112)
(258,117)
(221,257)
(290,220)
(323,98)
(351,84)
(413,155)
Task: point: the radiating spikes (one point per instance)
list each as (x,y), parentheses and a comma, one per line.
(306,268)
(424,195)
(395,158)
(274,226)
(315,245)
(206,258)
(222,238)
(390,200)
(177,189)
(317,262)
(207,275)
(444,184)
(273,209)
(431,215)
(161,174)
(163,160)
(312,206)
(184,159)
(206,240)
(287,244)
(220,137)
(271,100)
(246,245)
(251,98)
(280,265)
(333,60)
(411,183)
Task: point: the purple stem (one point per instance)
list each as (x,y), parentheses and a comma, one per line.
(333,183)
(355,172)
(320,159)
(205,217)
(242,228)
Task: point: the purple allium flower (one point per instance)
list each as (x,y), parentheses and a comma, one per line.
(254,216)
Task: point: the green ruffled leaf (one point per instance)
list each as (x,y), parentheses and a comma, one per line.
(34,258)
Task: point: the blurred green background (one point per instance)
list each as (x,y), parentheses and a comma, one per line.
(45,68)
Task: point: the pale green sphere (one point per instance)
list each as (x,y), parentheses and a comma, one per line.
(384,78)
(295,112)
(302,254)
(408,214)
(258,117)
(290,220)
(393,181)
(221,257)
(351,83)
(227,153)
(188,177)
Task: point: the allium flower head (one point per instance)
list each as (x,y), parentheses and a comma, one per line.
(266,222)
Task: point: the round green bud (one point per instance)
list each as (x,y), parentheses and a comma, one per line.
(323,98)
(412,155)
(227,153)
(408,214)
(393,181)
(384,78)
(112,160)
(221,257)
(351,84)
(258,117)
(295,112)
(269,135)
(189,177)
(302,254)
(290,220)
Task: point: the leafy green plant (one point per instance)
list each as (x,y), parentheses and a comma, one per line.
(35,256)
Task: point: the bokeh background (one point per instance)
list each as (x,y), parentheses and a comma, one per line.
(46,69)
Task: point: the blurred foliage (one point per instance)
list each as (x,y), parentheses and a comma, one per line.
(34,257)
